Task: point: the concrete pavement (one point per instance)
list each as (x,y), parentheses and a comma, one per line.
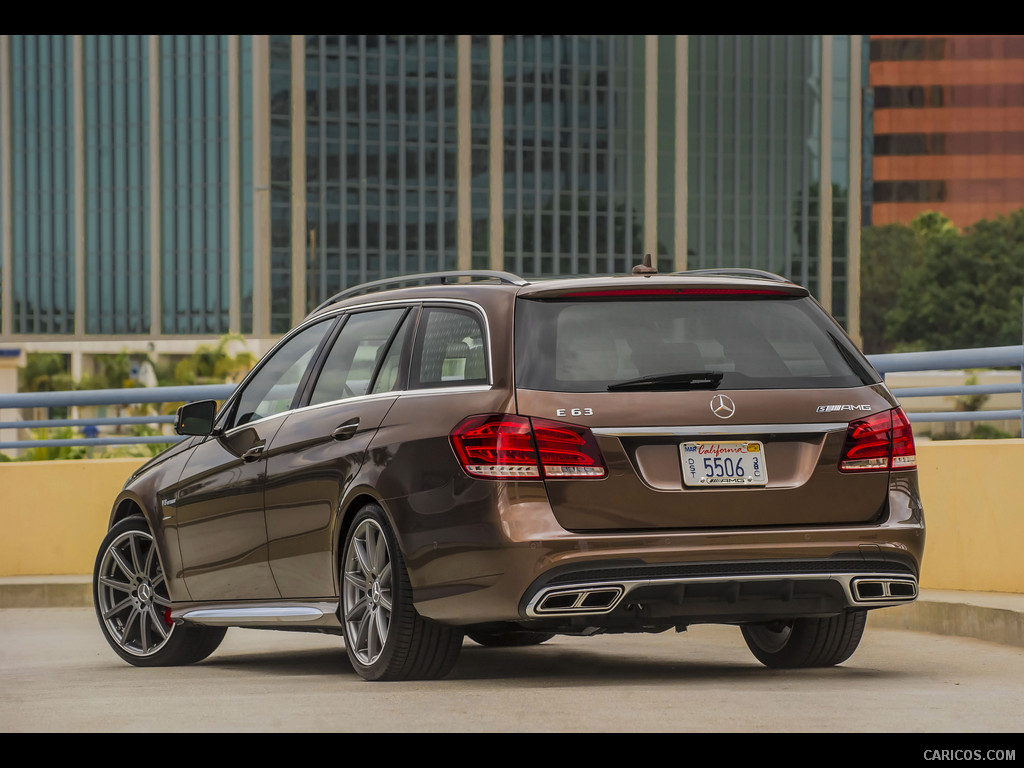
(992,616)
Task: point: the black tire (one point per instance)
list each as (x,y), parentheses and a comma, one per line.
(385,638)
(133,607)
(806,642)
(509,639)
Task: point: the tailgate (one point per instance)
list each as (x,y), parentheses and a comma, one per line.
(647,438)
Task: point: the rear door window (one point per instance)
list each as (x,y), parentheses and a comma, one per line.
(358,354)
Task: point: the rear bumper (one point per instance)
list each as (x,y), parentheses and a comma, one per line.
(629,594)
(732,592)
(501,556)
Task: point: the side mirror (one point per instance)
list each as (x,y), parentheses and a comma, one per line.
(196,418)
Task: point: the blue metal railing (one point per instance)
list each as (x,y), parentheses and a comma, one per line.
(953,359)
(957,359)
(92,397)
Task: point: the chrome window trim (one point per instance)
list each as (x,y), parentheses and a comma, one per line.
(240,427)
(333,314)
(353,399)
(430,391)
(364,398)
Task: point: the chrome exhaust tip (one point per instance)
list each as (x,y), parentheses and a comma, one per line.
(576,600)
(883,589)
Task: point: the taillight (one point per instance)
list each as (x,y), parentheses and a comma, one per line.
(904,453)
(497,446)
(882,441)
(567,450)
(508,447)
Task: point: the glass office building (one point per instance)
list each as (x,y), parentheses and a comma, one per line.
(165,189)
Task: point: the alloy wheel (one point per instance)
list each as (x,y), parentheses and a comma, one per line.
(132,594)
(367,602)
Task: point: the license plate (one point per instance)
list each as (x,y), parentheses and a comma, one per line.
(739,462)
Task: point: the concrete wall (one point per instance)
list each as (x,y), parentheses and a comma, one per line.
(54,514)
(973,493)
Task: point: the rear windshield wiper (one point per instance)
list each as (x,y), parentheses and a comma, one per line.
(669,381)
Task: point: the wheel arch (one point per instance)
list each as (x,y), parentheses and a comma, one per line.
(125,506)
(356,500)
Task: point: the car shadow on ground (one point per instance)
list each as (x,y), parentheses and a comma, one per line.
(566,662)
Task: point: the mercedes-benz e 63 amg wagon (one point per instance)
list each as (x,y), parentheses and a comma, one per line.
(488,457)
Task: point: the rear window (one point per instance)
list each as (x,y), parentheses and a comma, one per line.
(778,343)
(451,349)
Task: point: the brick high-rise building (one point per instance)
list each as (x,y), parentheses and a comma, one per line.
(948,126)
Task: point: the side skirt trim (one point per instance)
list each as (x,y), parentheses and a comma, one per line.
(263,614)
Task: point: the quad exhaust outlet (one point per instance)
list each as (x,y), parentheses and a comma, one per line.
(870,590)
(599,599)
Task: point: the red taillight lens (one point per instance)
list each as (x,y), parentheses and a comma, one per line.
(904,453)
(507,447)
(497,446)
(882,441)
(567,450)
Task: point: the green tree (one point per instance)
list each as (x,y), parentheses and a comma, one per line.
(45,372)
(112,372)
(48,372)
(208,365)
(967,289)
(887,254)
(931,223)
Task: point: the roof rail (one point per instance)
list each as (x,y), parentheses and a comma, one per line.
(738,272)
(425,277)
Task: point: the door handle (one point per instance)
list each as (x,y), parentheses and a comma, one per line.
(346,430)
(253,453)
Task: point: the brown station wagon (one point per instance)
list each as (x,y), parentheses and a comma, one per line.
(489,457)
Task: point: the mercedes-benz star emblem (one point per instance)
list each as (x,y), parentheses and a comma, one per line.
(723,407)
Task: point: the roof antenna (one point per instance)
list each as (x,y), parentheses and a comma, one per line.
(646,268)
